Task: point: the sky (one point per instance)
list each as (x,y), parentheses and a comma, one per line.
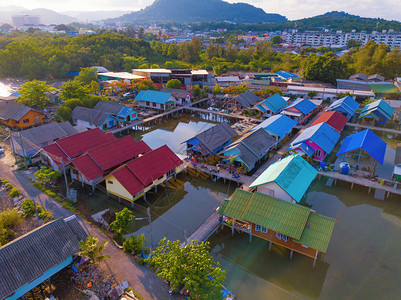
(292,9)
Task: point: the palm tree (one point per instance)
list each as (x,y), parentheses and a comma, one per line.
(92,250)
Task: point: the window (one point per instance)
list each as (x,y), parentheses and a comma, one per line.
(109,181)
(260,228)
(147,103)
(154,104)
(318,153)
(25,121)
(75,172)
(282,237)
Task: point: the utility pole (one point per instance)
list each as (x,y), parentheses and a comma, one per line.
(65,177)
(23,150)
(150,228)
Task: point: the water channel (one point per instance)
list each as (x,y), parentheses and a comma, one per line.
(362,261)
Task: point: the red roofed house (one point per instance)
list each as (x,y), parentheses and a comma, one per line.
(59,153)
(334,118)
(132,180)
(92,166)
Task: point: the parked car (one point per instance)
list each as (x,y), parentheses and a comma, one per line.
(1,150)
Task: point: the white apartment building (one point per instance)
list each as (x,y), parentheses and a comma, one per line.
(340,39)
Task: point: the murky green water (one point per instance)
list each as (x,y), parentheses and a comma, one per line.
(362,262)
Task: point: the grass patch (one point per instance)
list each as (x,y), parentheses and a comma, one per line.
(8,220)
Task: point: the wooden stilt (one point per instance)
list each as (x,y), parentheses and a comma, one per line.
(232,231)
(314,261)
(291,253)
(369,190)
(270,246)
(352,185)
(119,200)
(250,237)
(132,204)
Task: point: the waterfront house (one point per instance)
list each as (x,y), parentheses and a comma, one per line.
(18,116)
(156,100)
(346,105)
(300,110)
(211,140)
(132,180)
(158,76)
(246,100)
(380,111)
(272,105)
(92,166)
(316,141)
(287,76)
(122,113)
(287,179)
(290,225)
(57,154)
(362,145)
(92,118)
(34,257)
(397,164)
(181,96)
(279,126)
(249,149)
(29,142)
(333,118)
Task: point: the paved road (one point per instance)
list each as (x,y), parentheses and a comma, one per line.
(120,264)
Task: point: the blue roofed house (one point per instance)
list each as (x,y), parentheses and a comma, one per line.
(287,179)
(92,118)
(123,114)
(278,126)
(287,76)
(316,141)
(346,105)
(301,110)
(211,140)
(156,100)
(361,147)
(249,149)
(380,111)
(271,105)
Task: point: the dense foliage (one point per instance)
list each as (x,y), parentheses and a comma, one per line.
(92,250)
(35,94)
(190,266)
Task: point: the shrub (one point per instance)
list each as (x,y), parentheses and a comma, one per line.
(134,244)
(44,215)
(10,218)
(3,180)
(5,236)
(68,205)
(28,207)
(9,186)
(15,192)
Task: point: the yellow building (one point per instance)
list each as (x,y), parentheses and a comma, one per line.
(15,115)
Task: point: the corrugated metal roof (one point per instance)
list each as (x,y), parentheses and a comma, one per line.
(153,96)
(346,103)
(317,232)
(10,110)
(109,107)
(381,88)
(278,125)
(305,106)
(379,106)
(259,142)
(273,213)
(275,103)
(366,140)
(321,134)
(247,99)
(32,254)
(292,173)
(333,118)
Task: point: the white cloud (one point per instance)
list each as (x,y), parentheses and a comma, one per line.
(292,9)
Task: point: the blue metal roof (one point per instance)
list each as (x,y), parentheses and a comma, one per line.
(321,134)
(275,103)
(367,141)
(278,125)
(125,111)
(306,148)
(286,75)
(346,104)
(153,96)
(305,106)
(379,106)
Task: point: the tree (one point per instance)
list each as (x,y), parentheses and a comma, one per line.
(134,244)
(196,90)
(173,84)
(74,89)
(191,266)
(33,93)
(87,75)
(141,33)
(63,113)
(353,43)
(216,89)
(91,250)
(121,224)
(45,175)
(312,94)
(276,40)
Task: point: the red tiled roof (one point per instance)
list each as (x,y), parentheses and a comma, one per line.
(87,167)
(55,153)
(117,152)
(334,118)
(97,161)
(139,173)
(155,164)
(79,143)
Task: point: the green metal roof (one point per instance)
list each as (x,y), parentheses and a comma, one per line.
(273,213)
(293,174)
(384,89)
(317,232)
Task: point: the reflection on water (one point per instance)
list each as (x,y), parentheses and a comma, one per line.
(362,260)
(5,90)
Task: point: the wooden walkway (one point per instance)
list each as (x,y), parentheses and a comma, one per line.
(205,230)
(230,115)
(373,128)
(363,182)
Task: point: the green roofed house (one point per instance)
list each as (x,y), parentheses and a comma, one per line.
(287,179)
(290,225)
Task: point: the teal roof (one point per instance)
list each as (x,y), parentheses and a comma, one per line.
(379,106)
(274,103)
(153,96)
(293,174)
